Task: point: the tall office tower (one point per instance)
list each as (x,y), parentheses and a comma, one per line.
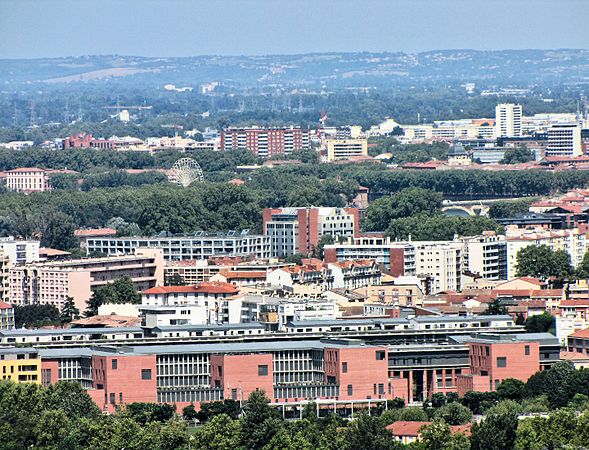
(564,140)
(508,120)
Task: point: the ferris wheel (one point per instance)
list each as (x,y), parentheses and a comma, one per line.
(185,171)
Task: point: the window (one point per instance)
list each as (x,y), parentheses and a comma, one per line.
(350,389)
(486,351)
(114,364)
(381,388)
(146,374)
(120,397)
(262,370)
(501,361)
(112,398)
(527,350)
(220,371)
(380,355)
(344,367)
(234,394)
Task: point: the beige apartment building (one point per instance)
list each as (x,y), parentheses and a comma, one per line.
(339,149)
(51,282)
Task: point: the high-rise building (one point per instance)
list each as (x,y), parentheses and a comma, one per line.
(298,230)
(564,140)
(508,120)
(265,142)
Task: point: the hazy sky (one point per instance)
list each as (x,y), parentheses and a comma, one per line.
(40,28)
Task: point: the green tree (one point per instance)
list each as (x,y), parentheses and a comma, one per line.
(540,323)
(497,431)
(34,316)
(583,269)
(143,413)
(368,433)
(220,433)
(405,203)
(454,414)
(438,436)
(126,291)
(516,155)
(189,412)
(69,311)
(511,389)
(541,261)
(495,308)
(259,422)
(51,430)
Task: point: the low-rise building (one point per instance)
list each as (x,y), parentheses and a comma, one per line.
(6,316)
(20,365)
(199,245)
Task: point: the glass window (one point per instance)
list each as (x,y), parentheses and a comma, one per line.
(146,374)
(262,370)
(501,361)
(114,364)
(344,367)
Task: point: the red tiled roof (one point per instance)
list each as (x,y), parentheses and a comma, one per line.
(171,290)
(4,305)
(210,287)
(581,333)
(88,232)
(407,428)
(242,274)
(580,303)
(217,287)
(46,251)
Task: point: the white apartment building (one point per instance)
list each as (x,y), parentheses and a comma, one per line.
(442,261)
(571,240)
(305,309)
(199,245)
(485,255)
(564,140)
(27,179)
(508,120)
(340,149)
(19,251)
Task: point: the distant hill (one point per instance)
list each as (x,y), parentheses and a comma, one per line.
(311,71)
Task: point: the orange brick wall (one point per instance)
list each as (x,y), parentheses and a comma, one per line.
(241,372)
(363,372)
(125,380)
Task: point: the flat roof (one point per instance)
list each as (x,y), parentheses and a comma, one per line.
(60,331)
(227,326)
(425,319)
(490,338)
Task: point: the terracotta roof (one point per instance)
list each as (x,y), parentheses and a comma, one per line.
(572,356)
(236,181)
(4,305)
(46,251)
(217,287)
(581,333)
(90,232)
(577,303)
(171,290)
(242,274)
(407,428)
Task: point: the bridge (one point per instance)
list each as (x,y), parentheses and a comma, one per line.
(464,208)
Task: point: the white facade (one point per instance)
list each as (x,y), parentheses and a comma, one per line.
(442,262)
(158,316)
(305,310)
(565,326)
(485,255)
(179,247)
(19,251)
(564,140)
(27,179)
(508,120)
(572,241)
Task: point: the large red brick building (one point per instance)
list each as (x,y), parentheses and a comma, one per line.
(293,372)
(265,142)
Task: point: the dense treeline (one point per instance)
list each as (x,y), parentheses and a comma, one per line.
(89,160)
(63,416)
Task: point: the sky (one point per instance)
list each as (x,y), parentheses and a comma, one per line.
(53,28)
